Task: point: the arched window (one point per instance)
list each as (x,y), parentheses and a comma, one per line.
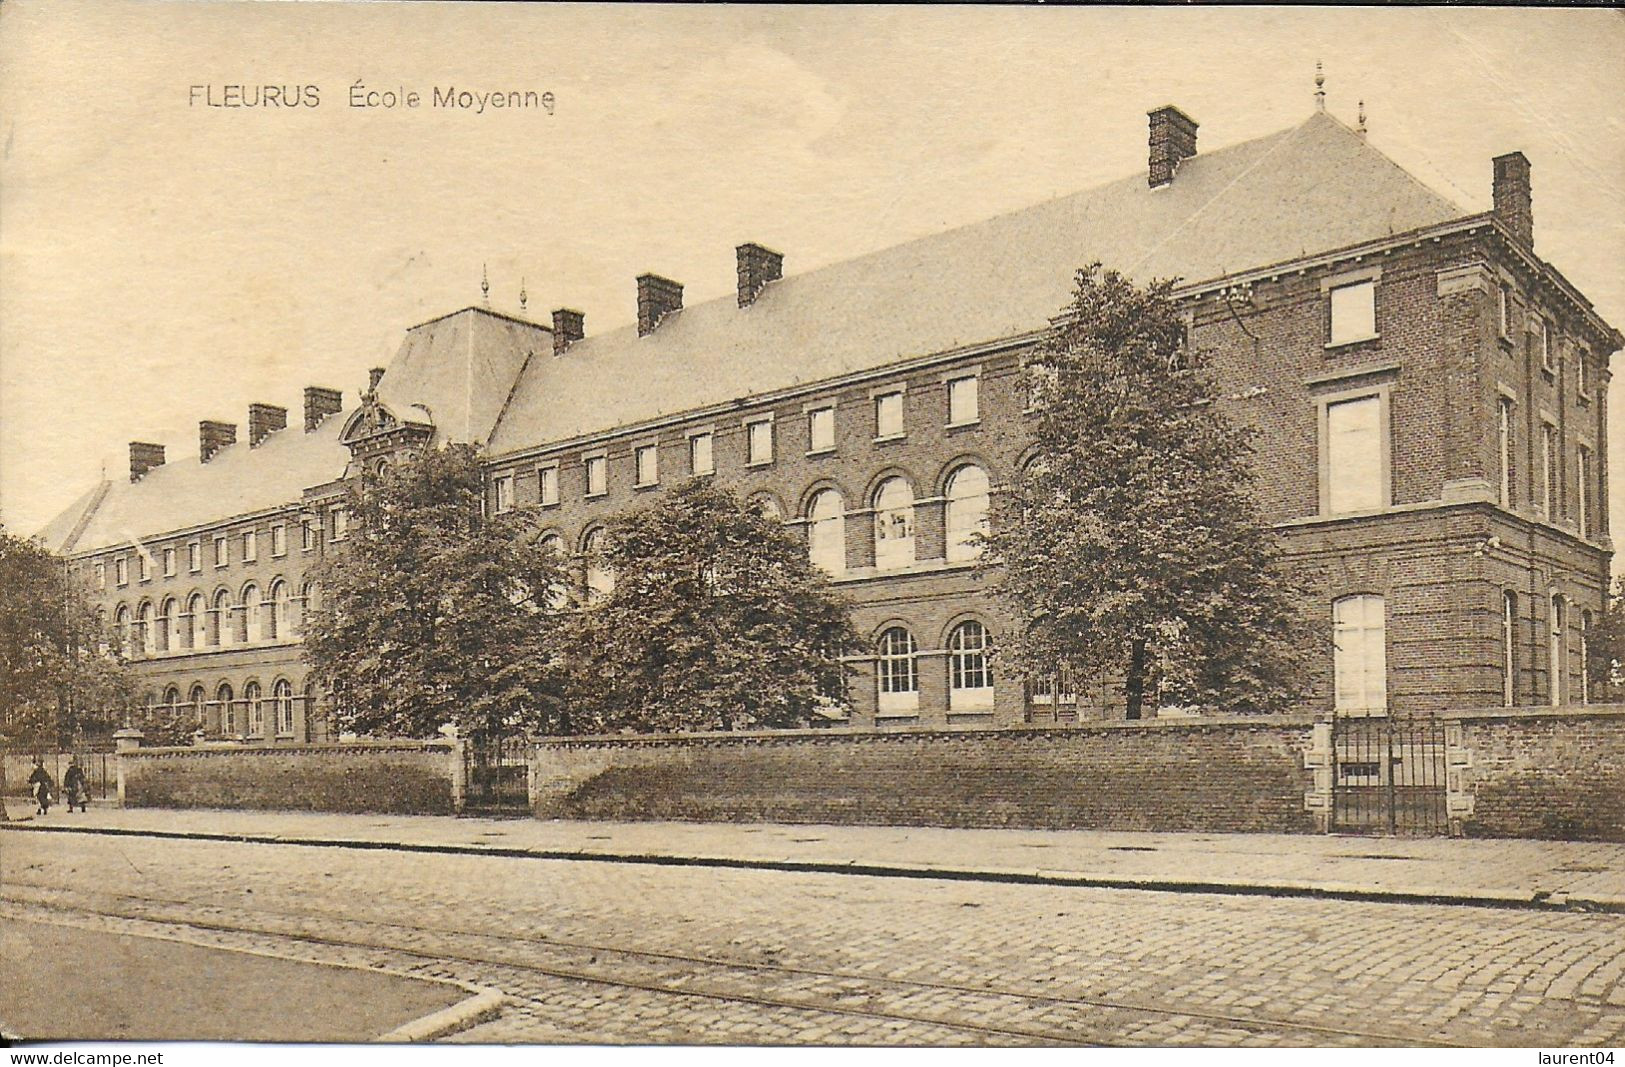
(1360,653)
(198,700)
(309,599)
(1585,657)
(312,710)
(894,524)
(228,709)
(970,676)
(145,642)
(600,579)
(897,671)
(766,506)
(966,512)
(279,610)
(552,544)
(197,621)
(165,632)
(255,708)
(222,627)
(826,531)
(1509,648)
(558,593)
(282,692)
(172,701)
(121,630)
(1557,671)
(251,614)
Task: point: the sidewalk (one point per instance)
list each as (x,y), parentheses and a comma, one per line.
(1542,874)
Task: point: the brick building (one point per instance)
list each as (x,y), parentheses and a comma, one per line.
(1430,396)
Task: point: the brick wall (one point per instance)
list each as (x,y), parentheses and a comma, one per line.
(1556,773)
(1217,775)
(397,778)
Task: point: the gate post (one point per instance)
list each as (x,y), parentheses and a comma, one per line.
(1319,760)
(459,769)
(1458,795)
(125,740)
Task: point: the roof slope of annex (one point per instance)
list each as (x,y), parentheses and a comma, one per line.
(1313,187)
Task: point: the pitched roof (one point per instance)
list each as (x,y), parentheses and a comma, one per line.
(238,480)
(1314,187)
(460,368)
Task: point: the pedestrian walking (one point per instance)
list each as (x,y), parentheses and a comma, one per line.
(40,784)
(75,787)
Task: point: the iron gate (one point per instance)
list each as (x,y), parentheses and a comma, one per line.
(497,776)
(1389,774)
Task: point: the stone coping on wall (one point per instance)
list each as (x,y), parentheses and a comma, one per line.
(1566,711)
(929,733)
(401,745)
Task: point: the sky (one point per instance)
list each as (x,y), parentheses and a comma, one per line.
(163,261)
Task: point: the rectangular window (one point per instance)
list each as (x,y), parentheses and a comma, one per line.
(597,475)
(821,430)
(1354,312)
(1509,648)
(341,523)
(1582,498)
(307,535)
(547,485)
(646,461)
(141,565)
(1504,309)
(759,442)
(963,402)
(250,546)
(121,570)
(169,563)
(502,493)
(222,550)
(1540,344)
(1354,456)
(1549,461)
(194,556)
(1504,445)
(101,575)
(700,459)
(889,415)
(279,540)
(1582,373)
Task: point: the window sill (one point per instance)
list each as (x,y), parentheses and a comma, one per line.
(595,496)
(1352,341)
(758,464)
(890,437)
(547,503)
(969,424)
(815,453)
(643,487)
(896,716)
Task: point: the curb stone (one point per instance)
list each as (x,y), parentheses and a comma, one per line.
(1483,898)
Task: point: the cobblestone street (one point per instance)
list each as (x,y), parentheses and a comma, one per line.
(611,952)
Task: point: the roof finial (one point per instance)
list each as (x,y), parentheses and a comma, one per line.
(485,285)
(522,296)
(1320,87)
(1360,129)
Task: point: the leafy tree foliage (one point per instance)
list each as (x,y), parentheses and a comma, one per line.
(437,613)
(1605,650)
(716,620)
(59,672)
(1131,546)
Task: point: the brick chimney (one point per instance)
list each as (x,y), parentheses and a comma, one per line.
(568,327)
(374,376)
(319,404)
(144,457)
(213,436)
(263,421)
(757,267)
(1513,203)
(1173,139)
(657,298)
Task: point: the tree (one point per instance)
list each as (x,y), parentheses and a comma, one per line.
(437,613)
(1131,545)
(59,673)
(1605,650)
(716,621)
